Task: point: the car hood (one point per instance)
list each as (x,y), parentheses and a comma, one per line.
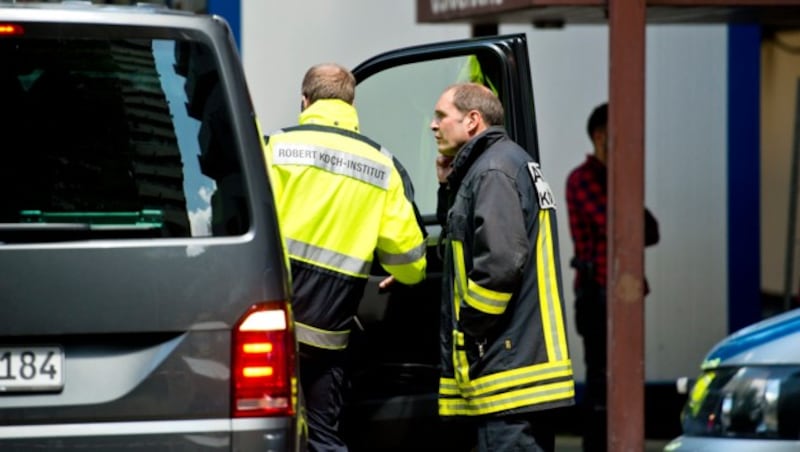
(772,341)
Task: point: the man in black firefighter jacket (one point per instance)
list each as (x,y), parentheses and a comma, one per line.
(503,336)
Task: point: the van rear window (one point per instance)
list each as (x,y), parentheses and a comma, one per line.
(115,137)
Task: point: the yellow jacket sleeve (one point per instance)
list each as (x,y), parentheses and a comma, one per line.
(401,246)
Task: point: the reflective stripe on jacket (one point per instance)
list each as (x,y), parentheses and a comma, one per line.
(504,342)
(340,201)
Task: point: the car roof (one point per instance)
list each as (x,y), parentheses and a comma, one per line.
(89,13)
(775,340)
(86,13)
(74,5)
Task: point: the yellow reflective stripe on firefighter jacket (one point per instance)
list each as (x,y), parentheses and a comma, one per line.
(504,343)
(340,201)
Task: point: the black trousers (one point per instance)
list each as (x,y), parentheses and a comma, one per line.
(323,382)
(591,322)
(527,432)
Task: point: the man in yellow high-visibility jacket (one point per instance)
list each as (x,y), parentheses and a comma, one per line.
(340,199)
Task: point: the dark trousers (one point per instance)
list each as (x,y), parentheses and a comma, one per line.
(323,382)
(529,432)
(590,320)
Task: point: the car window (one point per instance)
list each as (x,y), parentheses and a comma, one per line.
(132,135)
(396,107)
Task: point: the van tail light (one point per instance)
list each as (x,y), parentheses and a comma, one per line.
(263,382)
(11,30)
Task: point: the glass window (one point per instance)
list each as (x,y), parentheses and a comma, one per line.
(125,135)
(395,108)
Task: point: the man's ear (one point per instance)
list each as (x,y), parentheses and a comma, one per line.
(304,103)
(475,121)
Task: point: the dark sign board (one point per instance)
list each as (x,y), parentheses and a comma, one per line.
(550,12)
(444,10)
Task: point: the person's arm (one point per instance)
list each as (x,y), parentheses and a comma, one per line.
(577,224)
(401,246)
(586,212)
(498,253)
(408,189)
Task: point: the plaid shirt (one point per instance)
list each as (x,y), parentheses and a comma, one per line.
(586,204)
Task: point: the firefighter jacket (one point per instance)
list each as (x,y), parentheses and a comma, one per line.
(503,333)
(340,201)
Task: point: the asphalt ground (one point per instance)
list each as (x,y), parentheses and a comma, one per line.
(565,443)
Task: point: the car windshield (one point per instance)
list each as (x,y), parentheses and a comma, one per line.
(103,134)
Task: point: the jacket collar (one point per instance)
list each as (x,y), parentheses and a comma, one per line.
(473,149)
(332,113)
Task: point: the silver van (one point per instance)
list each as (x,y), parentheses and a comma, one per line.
(144,290)
(747,397)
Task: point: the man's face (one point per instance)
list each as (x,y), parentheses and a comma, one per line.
(600,143)
(448,125)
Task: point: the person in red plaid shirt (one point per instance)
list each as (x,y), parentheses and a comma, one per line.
(587,208)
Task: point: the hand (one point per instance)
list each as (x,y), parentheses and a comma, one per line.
(383,285)
(444,166)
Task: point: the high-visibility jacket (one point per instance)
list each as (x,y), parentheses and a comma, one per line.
(503,335)
(339,200)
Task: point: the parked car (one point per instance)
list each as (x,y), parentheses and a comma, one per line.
(747,397)
(144,290)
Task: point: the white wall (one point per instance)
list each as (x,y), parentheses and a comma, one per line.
(685,137)
(686,178)
(281,39)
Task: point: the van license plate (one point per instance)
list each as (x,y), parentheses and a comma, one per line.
(31,369)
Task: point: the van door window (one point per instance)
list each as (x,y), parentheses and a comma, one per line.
(396,107)
(117,138)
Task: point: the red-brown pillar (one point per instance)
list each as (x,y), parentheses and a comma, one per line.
(627,19)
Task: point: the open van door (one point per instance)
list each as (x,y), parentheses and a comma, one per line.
(395,364)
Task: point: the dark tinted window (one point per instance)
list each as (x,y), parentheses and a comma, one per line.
(114,134)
